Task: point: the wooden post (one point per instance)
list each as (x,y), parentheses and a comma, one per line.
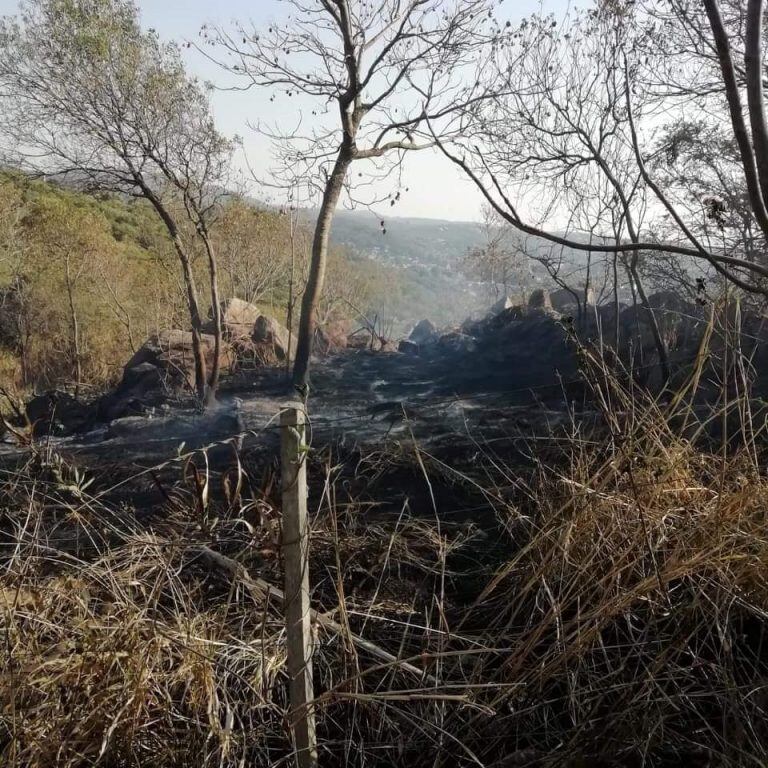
(297,608)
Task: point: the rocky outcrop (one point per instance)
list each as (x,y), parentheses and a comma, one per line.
(58,413)
(272,339)
(171,353)
(162,367)
(540,300)
(238,318)
(332,337)
(567,301)
(503,304)
(408,347)
(456,342)
(424,332)
(680,322)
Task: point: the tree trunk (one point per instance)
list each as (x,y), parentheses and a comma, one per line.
(587,282)
(291,281)
(193,304)
(314,288)
(75,327)
(616,320)
(733,97)
(753,65)
(196,320)
(213,381)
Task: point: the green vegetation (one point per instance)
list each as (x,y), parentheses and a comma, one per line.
(85,279)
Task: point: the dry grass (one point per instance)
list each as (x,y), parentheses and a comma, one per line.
(622,622)
(629,625)
(125,644)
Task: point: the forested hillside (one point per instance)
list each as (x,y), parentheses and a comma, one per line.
(85,279)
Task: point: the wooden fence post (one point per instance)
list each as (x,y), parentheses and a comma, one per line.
(297,607)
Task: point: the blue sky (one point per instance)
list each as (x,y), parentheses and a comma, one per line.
(436,187)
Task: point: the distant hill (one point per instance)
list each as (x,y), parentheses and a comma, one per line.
(428,254)
(405,241)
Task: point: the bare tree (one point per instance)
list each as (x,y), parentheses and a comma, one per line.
(559,136)
(254,247)
(499,263)
(89,96)
(592,98)
(382,69)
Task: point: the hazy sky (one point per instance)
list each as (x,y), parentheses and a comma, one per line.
(436,188)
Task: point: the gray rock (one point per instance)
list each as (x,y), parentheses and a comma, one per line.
(504,303)
(170,351)
(564,301)
(238,318)
(408,347)
(269,332)
(424,332)
(540,299)
(457,342)
(58,413)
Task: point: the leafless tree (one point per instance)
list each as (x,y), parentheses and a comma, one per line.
(254,247)
(499,262)
(374,74)
(591,100)
(559,135)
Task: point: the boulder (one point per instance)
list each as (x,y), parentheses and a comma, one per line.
(332,337)
(270,336)
(457,343)
(564,301)
(504,303)
(423,333)
(540,300)
(145,376)
(473,327)
(237,319)
(608,311)
(408,347)
(670,302)
(679,321)
(171,353)
(143,387)
(58,413)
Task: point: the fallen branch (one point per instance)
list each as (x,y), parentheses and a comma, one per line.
(263,588)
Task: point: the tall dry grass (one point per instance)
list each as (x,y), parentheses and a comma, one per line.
(620,618)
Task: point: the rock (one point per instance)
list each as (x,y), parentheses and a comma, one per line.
(540,300)
(564,301)
(332,337)
(144,375)
(424,332)
(386,347)
(408,347)
(679,321)
(457,343)
(474,327)
(124,426)
(238,318)
(143,387)
(608,310)
(272,337)
(58,413)
(505,302)
(171,353)
(670,302)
